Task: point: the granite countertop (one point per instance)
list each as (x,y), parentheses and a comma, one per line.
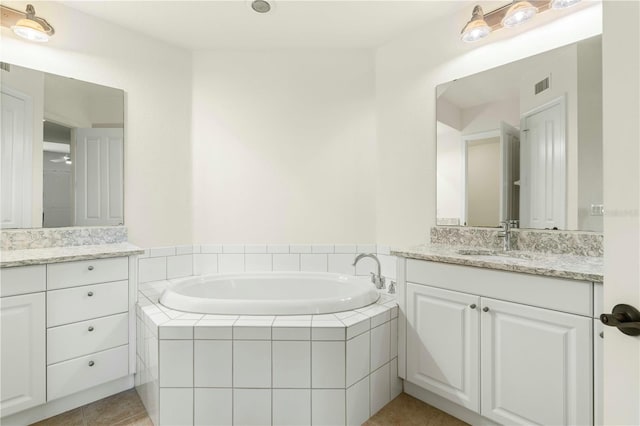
(38,256)
(582,268)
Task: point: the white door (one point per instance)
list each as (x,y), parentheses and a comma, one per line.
(510,177)
(99,177)
(15,158)
(543,167)
(536,365)
(22,380)
(621,145)
(442,343)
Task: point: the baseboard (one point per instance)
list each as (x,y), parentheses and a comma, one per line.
(447,406)
(58,406)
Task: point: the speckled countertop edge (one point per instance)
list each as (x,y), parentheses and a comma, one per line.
(39,256)
(580,268)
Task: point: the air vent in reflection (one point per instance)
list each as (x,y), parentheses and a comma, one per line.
(541,86)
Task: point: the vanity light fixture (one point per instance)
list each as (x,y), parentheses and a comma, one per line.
(508,16)
(26,24)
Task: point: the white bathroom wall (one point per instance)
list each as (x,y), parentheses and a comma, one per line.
(284,146)
(407,70)
(157,81)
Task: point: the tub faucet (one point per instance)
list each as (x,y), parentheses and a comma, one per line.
(376,279)
(505,232)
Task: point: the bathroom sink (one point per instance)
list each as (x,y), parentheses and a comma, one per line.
(496,254)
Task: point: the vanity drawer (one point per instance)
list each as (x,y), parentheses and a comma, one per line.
(86,302)
(22,280)
(85,372)
(72,274)
(83,338)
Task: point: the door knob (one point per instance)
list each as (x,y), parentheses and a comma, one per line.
(472,306)
(625,317)
(485,309)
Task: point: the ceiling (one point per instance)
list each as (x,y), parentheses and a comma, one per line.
(232,24)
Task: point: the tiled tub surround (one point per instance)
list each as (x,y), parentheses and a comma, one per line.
(581,268)
(40,238)
(282,370)
(576,243)
(182,261)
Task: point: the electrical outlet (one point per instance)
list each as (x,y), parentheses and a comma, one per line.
(597,209)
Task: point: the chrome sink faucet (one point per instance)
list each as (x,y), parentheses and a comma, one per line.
(376,279)
(505,233)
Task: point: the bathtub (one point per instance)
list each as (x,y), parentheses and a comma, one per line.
(270,293)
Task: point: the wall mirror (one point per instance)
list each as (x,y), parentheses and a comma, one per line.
(62,151)
(523,142)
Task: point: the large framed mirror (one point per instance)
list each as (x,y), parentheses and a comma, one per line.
(62,151)
(523,142)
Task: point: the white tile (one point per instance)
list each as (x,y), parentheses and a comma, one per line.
(394,309)
(383,250)
(313,262)
(357,358)
(212,363)
(195,248)
(233,248)
(327,407)
(204,264)
(286,262)
(251,364)
(346,249)
(152,269)
(176,363)
(176,407)
(300,248)
(291,407)
(356,324)
(380,345)
(184,250)
(162,251)
(257,262)
(291,364)
(327,364)
(179,266)
(252,407)
(212,407)
(230,263)
(176,332)
(394,380)
(358,403)
(255,248)
(214,329)
(342,264)
(278,248)
(388,264)
(393,340)
(321,248)
(380,390)
(366,248)
(291,332)
(324,317)
(252,330)
(211,248)
(366,266)
(334,330)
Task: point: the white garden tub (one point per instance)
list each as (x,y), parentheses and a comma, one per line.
(270,293)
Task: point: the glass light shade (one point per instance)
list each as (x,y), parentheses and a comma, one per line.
(30,29)
(563,4)
(475,30)
(520,12)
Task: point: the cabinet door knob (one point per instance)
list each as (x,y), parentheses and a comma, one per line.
(485,309)
(90,294)
(91,363)
(90,268)
(90,328)
(472,306)
(602,334)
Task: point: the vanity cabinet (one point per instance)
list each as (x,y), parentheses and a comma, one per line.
(514,348)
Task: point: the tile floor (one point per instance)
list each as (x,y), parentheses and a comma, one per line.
(125,409)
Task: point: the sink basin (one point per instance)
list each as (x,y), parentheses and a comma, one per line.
(496,254)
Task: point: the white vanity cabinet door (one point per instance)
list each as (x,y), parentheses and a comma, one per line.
(443,343)
(536,365)
(22,352)
(598,372)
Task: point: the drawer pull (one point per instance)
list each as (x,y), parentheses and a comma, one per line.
(90,294)
(90,268)
(472,306)
(485,309)
(90,328)
(91,363)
